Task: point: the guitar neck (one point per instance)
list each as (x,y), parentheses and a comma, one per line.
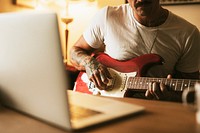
(142,83)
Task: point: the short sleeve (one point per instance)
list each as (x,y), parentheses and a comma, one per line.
(190,60)
(94,33)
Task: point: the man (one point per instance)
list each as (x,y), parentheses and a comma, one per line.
(138,28)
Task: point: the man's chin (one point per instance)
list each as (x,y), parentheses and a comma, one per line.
(143,11)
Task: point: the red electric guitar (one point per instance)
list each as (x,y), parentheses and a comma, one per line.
(127,75)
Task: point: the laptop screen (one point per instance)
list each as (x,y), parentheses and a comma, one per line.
(32,74)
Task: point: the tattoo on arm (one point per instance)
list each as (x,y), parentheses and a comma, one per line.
(79,57)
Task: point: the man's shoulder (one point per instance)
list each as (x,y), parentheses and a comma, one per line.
(181,21)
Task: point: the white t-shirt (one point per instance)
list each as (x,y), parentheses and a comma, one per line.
(176,41)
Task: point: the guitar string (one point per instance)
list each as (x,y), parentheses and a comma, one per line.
(133,82)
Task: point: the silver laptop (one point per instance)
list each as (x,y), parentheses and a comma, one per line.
(33,79)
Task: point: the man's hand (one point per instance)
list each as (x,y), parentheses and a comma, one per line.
(97,73)
(159,91)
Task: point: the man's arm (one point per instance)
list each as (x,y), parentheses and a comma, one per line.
(81,58)
(80,53)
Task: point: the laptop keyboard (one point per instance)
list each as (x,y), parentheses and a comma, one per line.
(78,112)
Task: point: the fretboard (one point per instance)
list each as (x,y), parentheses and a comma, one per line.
(142,83)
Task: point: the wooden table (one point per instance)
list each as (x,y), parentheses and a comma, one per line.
(159,117)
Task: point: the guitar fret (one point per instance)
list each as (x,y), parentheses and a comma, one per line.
(189,85)
(165,82)
(134,83)
(171,84)
(186,84)
(146,83)
(154,80)
(141,83)
(129,84)
(178,85)
(160,80)
(175,88)
(174,84)
(138,83)
(181,88)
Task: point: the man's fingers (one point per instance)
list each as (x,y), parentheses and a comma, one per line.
(100,79)
(163,88)
(149,93)
(169,76)
(108,74)
(154,91)
(103,76)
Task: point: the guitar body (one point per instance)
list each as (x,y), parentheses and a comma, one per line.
(121,71)
(116,88)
